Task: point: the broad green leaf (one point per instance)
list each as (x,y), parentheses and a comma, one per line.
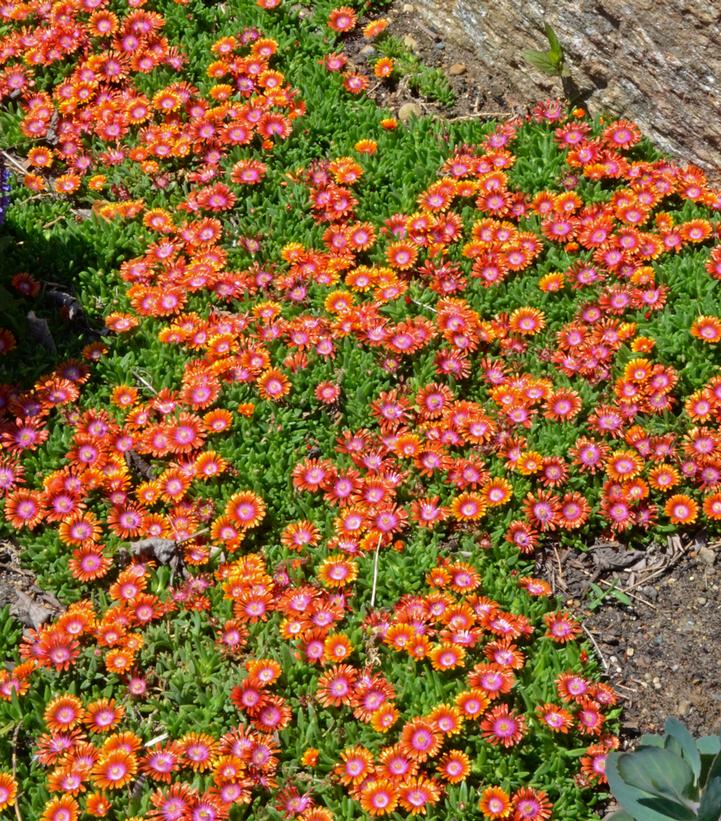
(710,807)
(657,771)
(667,807)
(621,815)
(628,796)
(649,740)
(541,60)
(709,745)
(676,730)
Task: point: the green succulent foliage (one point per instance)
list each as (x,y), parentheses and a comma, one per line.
(551,61)
(668,777)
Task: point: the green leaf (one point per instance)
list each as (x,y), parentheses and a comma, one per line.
(709,745)
(667,808)
(621,815)
(676,730)
(628,796)
(556,48)
(714,770)
(710,807)
(542,60)
(648,740)
(657,771)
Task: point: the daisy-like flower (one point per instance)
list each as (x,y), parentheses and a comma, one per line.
(379,797)
(63,808)
(415,794)
(527,321)
(589,718)
(501,727)
(712,506)
(114,770)
(542,509)
(707,329)
(454,766)
(355,766)
(523,536)
(530,805)
(420,740)
(555,718)
(8,790)
(63,713)
(561,627)
(681,509)
(337,571)
(468,507)
(342,19)
(447,656)
(103,715)
(495,803)
(246,508)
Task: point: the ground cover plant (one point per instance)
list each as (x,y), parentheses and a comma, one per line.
(301,394)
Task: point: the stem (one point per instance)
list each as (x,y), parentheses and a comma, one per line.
(18,814)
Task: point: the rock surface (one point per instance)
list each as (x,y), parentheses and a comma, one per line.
(656,62)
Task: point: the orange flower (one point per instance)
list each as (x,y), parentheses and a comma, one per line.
(375,27)
(420,739)
(337,571)
(468,506)
(366,147)
(64,808)
(383,67)
(342,19)
(707,329)
(454,766)
(337,647)
(114,770)
(527,321)
(273,384)
(495,803)
(8,790)
(355,766)
(64,713)
(379,797)
(446,656)
(681,509)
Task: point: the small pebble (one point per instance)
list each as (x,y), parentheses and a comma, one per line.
(410,42)
(367,51)
(707,556)
(408,110)
(408,8)
(630,651)
(457,69)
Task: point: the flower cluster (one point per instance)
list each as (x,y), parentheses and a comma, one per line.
(297,544)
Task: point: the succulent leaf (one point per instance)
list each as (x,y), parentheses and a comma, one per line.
(710,807)
(628,796)
(658,771)
(677,731)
